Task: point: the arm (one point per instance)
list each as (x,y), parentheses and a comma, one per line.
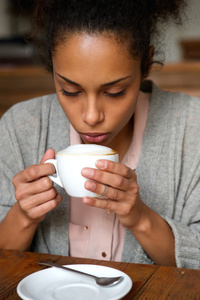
(35,197)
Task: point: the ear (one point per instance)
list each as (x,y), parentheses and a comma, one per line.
(150,61)
(151,54)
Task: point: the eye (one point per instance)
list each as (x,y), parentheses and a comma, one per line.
(70,94)
(116,94)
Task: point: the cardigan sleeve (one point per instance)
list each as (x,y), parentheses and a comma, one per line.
(187,244)
(27,130)
(20,131)
(168,175)
(185,218)
(10,163)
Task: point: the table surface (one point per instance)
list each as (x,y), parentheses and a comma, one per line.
(149,281)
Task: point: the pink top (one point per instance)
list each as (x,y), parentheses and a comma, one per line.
(86,238)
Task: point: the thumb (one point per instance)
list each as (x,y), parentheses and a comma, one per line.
(50,153)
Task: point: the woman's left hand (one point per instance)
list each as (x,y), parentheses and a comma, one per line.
(118,184)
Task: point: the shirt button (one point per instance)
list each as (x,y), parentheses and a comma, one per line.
(104,254)
(86,227)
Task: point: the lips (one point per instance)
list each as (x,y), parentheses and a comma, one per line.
(94,137)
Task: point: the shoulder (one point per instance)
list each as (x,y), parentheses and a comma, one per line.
(29,111)
(161,95)
(30,118)
(177,115)
(174,116)
(31,106)
(33,126)
(176,104)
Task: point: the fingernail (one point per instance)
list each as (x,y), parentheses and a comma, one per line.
(87,172)
(90,185)
(88,201)
(101,164)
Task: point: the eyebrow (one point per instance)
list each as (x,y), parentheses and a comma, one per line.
(103,85)
(68,80)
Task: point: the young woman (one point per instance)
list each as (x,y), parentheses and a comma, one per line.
(100,54)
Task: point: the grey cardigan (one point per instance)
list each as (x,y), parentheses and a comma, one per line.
(168,169)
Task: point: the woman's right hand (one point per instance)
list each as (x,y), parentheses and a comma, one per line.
(34,191)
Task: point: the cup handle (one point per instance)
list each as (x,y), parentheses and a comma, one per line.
(53,178)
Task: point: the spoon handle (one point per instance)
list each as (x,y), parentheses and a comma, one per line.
(51,264)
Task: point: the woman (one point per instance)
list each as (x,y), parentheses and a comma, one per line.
(99,53)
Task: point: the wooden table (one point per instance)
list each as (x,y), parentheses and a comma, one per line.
(149,282)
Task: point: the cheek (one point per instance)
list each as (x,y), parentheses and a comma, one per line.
(121,116)
(127,112)
(127,108)
(72,112)
(70,108)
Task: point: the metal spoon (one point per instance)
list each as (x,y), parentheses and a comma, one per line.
(102,281)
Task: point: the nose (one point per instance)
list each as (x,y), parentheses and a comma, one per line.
(92,112)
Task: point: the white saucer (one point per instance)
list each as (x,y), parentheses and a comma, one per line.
(58,284)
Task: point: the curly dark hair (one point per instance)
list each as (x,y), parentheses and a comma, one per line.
(134,21)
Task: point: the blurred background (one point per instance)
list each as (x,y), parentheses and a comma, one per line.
(22,78)
(14,27)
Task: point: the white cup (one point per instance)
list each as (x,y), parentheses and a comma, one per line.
(70,161)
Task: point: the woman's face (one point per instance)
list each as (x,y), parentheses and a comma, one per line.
(97,83)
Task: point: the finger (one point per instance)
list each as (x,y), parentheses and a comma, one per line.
(50,153)
(116,181)
(115,168)
(122,209)
(41,210)
(36,200)
(101,203)
(26,190)
(33,172)
(104,190)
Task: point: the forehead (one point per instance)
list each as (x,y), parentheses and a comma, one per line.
(94,51)
(94,41)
